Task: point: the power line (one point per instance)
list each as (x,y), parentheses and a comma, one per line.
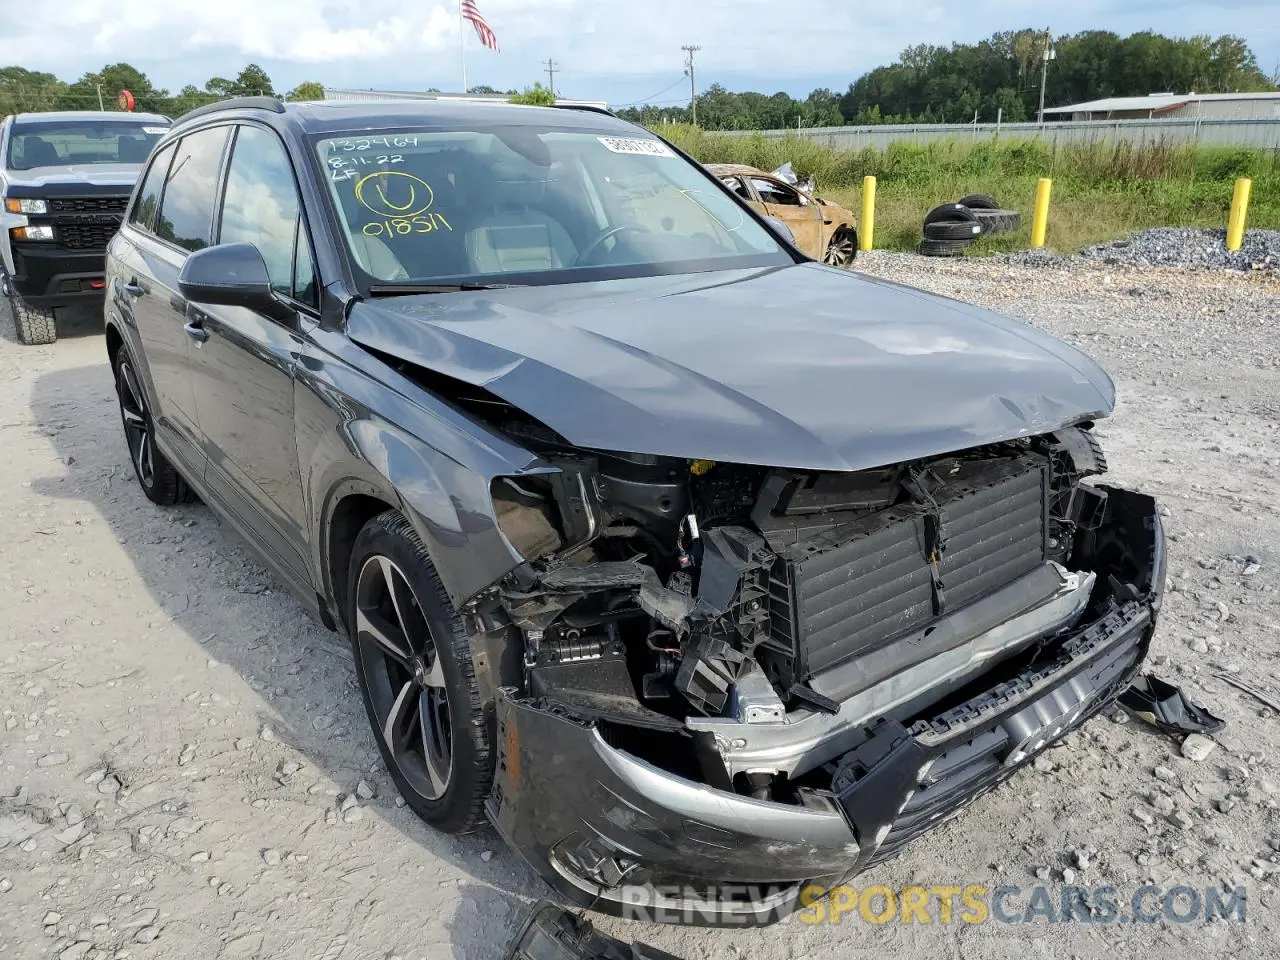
(693,85)
(551,76)
(652,95)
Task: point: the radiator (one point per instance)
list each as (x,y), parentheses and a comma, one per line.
(830,605)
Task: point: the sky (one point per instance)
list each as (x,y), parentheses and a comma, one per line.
(622,51)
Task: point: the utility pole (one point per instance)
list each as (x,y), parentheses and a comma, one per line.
(100,106)
(551,75)
(693,85)
(1049,54)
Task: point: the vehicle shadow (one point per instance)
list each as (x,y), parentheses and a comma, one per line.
(72,322)
(209,584)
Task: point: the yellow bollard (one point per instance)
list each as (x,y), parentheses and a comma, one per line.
(1239,208)
(1040,220)
(867,225)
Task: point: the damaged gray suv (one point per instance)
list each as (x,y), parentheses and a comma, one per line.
(708,574)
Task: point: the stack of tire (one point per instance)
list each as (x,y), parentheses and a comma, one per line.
(950,228)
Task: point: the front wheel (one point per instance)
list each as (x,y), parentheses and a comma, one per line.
(413,663)
(34,325)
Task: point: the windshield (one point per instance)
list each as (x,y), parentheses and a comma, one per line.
(54,143)
(524,205)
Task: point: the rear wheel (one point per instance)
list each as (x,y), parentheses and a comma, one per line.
(34,325)
(842,249)
(413,662)
(159,479)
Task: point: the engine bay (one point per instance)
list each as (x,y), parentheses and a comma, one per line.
(694,609)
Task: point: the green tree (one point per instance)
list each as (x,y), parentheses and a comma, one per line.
(308,90)
(110,81)
(537,95)
(28,91)
(252,81)
(189,98)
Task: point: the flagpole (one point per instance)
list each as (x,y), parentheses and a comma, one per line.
(462,46)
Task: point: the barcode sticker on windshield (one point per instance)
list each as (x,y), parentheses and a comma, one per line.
(154,131)
(643,148)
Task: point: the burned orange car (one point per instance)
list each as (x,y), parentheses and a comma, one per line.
(824,230)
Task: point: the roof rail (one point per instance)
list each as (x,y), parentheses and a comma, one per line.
(590,107)
(235,103)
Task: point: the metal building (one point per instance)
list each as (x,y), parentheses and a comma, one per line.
(1181,106)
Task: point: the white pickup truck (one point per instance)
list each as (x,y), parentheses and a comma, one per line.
(65,180)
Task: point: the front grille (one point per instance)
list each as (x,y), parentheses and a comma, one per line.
(85,234)
(86,223)
(833,605)
(88,204)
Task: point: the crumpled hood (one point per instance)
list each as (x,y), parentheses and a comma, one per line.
(803,366)
(97,174)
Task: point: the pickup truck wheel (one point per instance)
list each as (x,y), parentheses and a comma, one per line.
(413,663)
(33,324)
(159,479)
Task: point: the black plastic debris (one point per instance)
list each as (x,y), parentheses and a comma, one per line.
(1167,708)
(551,933)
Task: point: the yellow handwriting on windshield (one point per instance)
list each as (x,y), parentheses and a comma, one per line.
(404,227)
(391,193)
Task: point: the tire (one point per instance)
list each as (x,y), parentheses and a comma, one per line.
(999,221)
(423,696)
(950,213)
(979,201)
(34,325)
(944,230)
(942,248)
(159,479)
(842,250)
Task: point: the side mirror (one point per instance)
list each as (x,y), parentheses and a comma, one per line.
(781,229)
(233,275)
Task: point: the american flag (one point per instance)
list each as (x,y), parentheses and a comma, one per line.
(471,12)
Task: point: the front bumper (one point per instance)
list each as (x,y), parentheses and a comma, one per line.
(46,275)
(614,833)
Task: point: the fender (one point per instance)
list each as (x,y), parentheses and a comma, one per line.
(416,452)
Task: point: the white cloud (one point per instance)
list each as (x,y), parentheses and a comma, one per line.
(613,48)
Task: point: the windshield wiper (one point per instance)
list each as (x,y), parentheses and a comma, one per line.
(409,289)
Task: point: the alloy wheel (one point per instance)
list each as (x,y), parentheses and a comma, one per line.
(405,677)
(840,252)
(137,424)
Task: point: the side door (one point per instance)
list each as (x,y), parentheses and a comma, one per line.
(243,369)
(173,217)
(793,208)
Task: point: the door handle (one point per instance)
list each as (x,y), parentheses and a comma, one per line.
(134,289)
(196,331)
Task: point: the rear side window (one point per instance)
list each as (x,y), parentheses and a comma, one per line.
(186,212)
(148,202)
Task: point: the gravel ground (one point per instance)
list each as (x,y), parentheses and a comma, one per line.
(1172,247)
(188,770)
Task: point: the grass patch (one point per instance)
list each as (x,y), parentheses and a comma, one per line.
(1101,191)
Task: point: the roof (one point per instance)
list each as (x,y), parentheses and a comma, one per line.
(334,116)
(1155,101)
(64,115)
(730,169)
(345,117)
(333,93)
